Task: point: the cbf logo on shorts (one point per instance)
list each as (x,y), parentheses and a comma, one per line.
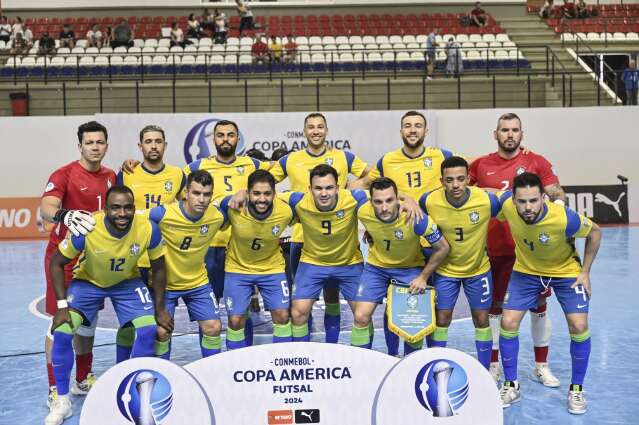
(145,397)
(441,387)
(199,141)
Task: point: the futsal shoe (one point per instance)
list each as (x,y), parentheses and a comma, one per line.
(53,396)
(60,409)
(82,388)
(509,393)
(495,371)
(577,404)
(542,374)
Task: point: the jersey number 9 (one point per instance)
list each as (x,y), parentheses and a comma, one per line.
(326,225)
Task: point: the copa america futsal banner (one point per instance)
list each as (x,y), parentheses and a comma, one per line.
(297,383)
(368,134)
(603,204)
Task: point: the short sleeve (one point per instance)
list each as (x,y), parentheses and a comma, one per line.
(183,182)
(291,198)
(495,204)
(192,167)
(447,154)
(378,171)
(503,197)
(356,166)
(57,184)
(360,196)
(278,171)
(119,178)
(157,247)
(577,225)
(224,206)
(157,214)
(546,172)
(427,228)
(422,202)
(72,245)
(472,172)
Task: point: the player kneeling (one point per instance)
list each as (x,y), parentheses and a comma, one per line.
(254,258)
(188,227)
(394,254)
(108,267)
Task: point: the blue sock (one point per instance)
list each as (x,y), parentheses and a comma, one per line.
(484,345)
(509,349)
(429,340)
(580,346)
(210,345)
(392,340)
(235,339)
(409,348)
(248,330)
(62,360)
(144,345)
(332,316)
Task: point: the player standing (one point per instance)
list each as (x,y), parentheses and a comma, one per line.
(71,193)
(546,257)
(462,214)
(254,258)
(297,166)
(108,267)
(188,226)
(394,254)
(153,183)
(497,171)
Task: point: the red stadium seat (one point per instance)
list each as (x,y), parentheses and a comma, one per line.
(158,20)
(145,20)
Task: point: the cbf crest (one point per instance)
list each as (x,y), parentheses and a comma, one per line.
(340,214)
(134,249)
(474,217)
(544,238)
(240,170)
(204,229)
(275,230)
(428,162)
(329,161)
(520,170)
(399,235)
(168,186)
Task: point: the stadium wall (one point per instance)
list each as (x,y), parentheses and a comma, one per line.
(588,146)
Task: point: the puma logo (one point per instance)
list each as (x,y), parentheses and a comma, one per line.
(601,198)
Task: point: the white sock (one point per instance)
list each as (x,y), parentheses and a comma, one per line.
(541,329)
(495,323)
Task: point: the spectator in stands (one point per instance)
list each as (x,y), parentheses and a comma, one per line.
(221,27)
(122,35)
(20,46)
(546,10)
(18,26)
(193,29)
(46,45)
(27,34)
(67,37)
(177,36)
(208,21)
(94,37)
(275,49)
(431,53)
(108,36)
(5,29)
(246,15)
(478,16)
(631,82)
(582,10)
(259,51)
(568,10)
(454,62)
(290,49)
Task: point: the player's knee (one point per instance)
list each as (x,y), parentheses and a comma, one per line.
(211,327)
(361,318)
(281,317)
(480,318)
(578,327)
(236,322)
(444,318)
(509,322)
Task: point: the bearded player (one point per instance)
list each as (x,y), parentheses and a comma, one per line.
(497,171)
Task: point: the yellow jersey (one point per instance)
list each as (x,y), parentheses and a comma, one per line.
(106,259)
(228,179)
(543,248)
(396,244)
(330,237)
(465,227)
(297,167)
(187,239)
(254,247)
(153,188)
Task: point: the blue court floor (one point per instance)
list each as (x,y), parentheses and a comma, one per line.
(609,383)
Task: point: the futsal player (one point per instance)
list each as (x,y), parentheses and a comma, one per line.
(546,258)
(72,193)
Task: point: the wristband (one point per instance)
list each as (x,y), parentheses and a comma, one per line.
(59,215)
(63,304)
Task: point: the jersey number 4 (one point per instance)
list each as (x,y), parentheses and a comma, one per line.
(151,199)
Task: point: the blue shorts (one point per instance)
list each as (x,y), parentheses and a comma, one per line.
(130,298)
(478,290)
(214,261)
(238,289)
(524,290)
(373,283)
(200,303)
(311,279)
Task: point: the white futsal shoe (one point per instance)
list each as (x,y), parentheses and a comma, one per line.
(542,374)
(495,371)
(509,393)
(61,409)
(82,388)
(577,404)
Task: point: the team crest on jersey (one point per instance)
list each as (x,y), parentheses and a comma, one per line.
(520,170)
(428,162)
(544,238)
(50,187)
(168,186)
(204,229)
(474,217)
(135,249)
(329,161)
(275,230)
(240,170)
(109,184)
(340,214)
(399,234)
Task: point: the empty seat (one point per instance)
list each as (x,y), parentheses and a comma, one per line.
(164,42)
(99,61)
(619,36)
(395,39)
(233,49)
(382,39)
(502,37)
(632,36)
(158,60)
(216,59)
(592,36)
(368,39)
(131,60)
(346,57)
(117,60)
(77,51)
(64,51)
(344,47)
(494,45)
(176,50)
(342,40)
(106,51)
(87,60)
(91,51)
(328,40)
(148,50)
(162,49)
(246,41)
(399,46)
(355,39)
(120,50)
(475,38)
(372,46)
(488,37)
(151,42)
(205,42)
(318,58)
(190,49)
(403,57)
(138,42)
(409,39)
(232,41)
(461,38)
(388,57)
(217,49)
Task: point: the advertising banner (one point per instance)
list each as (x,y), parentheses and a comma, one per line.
(20,218)
(603,204)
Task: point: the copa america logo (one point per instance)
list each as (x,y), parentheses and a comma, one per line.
(199,141)
(145,397)
(442,387)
